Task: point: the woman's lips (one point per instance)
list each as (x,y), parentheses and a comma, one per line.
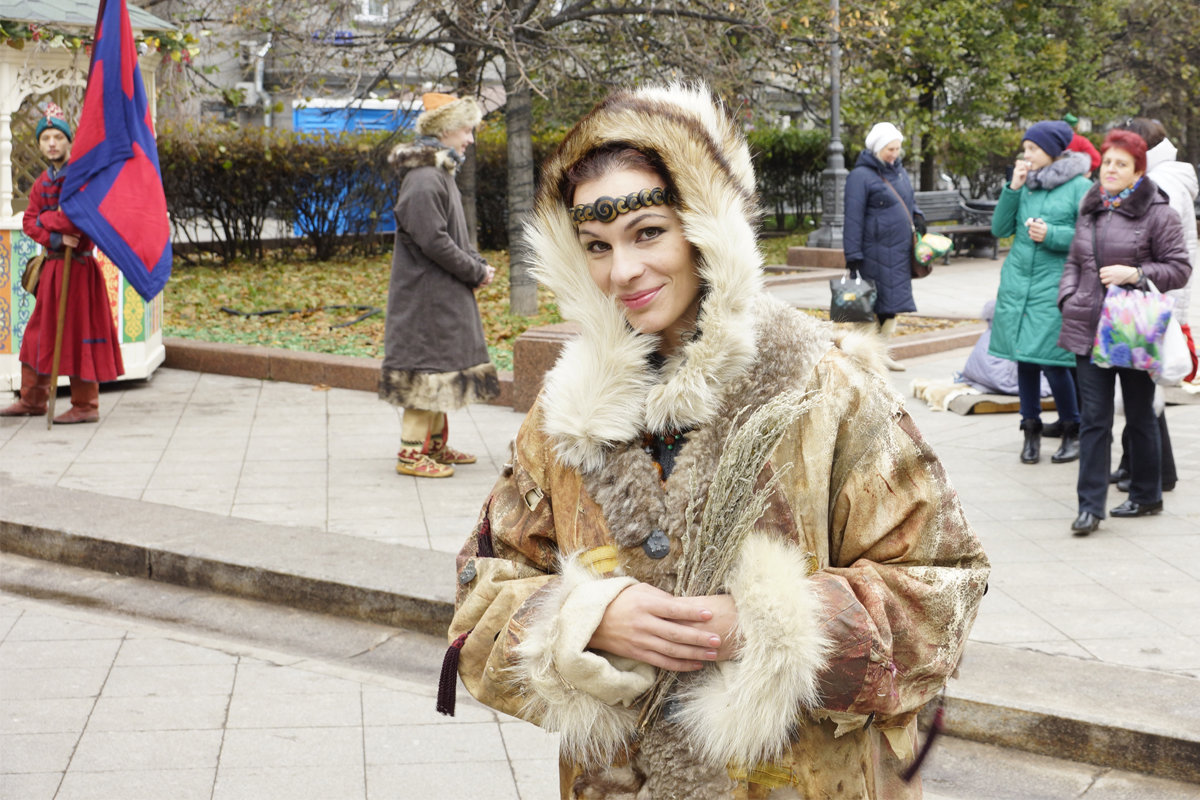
(640,299)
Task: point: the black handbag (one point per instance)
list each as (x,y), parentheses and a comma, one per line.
(852,298)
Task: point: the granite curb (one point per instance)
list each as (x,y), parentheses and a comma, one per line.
(1058,706)
(294,566)
(362,374)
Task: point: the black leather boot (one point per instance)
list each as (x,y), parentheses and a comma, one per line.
(1068,450)
(1031,453)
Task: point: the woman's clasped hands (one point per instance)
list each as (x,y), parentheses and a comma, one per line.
(677,633)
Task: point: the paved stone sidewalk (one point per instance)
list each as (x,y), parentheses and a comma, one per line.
(96,708)
(286,453)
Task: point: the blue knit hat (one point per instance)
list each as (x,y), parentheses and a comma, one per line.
(54,118)
(1052,135)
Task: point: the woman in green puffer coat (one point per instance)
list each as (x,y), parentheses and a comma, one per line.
(1038,209)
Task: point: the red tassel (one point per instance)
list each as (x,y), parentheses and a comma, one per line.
(448,683)
(935,728)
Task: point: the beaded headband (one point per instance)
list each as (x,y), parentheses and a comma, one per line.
(606,209)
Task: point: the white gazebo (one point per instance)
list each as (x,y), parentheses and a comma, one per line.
(40,66)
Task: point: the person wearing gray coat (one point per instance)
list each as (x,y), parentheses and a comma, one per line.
(435,357)
(1127,234)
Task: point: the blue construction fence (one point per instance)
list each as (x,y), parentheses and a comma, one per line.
(356,116)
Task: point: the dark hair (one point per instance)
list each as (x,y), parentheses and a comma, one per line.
(1131,143)
(1149,129)
(609,158)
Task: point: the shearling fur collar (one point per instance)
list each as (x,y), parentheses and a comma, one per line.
(1137,204)
(411,155)
(604,391)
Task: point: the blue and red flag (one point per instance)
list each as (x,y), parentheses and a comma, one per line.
(113,190)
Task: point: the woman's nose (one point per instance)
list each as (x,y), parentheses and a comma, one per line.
(627,266)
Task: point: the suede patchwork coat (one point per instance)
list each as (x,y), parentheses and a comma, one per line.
(864,544)
(855,590)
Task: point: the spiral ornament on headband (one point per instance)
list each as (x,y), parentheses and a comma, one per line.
(606,209)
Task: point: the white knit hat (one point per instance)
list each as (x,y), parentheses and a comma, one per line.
(883,134)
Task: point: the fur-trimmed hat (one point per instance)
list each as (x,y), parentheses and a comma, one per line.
(444,113)
(53,118)
(603,391)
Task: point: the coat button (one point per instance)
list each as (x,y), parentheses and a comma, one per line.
(657,545)
(468,573)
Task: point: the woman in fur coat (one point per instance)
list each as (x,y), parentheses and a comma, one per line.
(435,357)
(1038,209)
(840,579)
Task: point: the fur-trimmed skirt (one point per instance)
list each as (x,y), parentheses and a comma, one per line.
(439,391)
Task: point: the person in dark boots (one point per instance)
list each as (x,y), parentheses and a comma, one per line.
(1038,209)
(91,349)
(1121,475)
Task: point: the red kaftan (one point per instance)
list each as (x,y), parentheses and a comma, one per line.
(91,349)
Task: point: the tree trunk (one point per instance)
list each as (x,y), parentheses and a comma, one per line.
(467,183)
(928,160)
(518,118)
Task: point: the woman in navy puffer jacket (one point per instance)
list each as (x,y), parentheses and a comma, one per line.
(880,215)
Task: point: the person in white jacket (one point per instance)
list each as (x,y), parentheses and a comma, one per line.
(1178,179)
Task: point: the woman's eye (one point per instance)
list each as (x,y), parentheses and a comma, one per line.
(596,246)
(650,233)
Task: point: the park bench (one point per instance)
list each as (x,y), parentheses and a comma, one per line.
(971,220)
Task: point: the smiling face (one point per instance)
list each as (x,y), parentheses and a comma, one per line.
(1118,170)
(641,258)
(458,140)
(1036,156)
(55,146)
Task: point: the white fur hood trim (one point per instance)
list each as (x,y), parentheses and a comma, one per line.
(743,711)
(586,696)
(603,390)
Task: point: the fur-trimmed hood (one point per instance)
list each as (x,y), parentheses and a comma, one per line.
(604,389)
(410,155)
(1062,169)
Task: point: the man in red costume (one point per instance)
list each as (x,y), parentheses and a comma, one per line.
(91,351)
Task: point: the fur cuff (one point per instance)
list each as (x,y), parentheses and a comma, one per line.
(587,697)
(744,710)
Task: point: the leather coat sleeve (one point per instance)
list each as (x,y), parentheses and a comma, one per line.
(904,572)
(510,557)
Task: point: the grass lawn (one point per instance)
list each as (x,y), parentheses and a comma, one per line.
(299,294)
(302,291)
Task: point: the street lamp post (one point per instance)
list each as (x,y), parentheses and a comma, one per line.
(833,179)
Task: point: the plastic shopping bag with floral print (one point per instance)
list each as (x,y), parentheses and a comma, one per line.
(1133,327)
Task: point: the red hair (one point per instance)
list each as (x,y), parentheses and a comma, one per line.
(1131,143)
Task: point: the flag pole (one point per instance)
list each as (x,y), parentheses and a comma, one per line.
(58,334)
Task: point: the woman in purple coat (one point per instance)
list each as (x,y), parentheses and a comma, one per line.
(1127,234)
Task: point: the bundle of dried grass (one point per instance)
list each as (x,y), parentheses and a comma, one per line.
(733,507)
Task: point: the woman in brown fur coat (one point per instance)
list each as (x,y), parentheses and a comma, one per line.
(838,611)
